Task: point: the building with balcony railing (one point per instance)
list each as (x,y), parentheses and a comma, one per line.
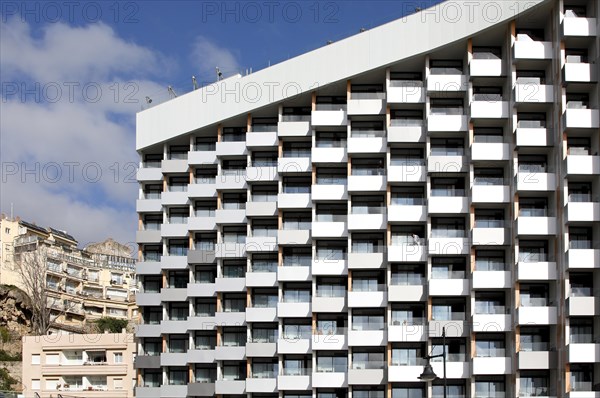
(442,175)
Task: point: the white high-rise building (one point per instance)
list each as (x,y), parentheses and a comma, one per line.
(308,230)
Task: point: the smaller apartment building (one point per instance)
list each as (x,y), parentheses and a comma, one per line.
(82,365)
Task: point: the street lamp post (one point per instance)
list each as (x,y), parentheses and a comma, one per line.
(428,374)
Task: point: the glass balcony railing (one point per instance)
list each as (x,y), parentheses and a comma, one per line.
(331,291)
(295,118)
(358,365)
(407,122)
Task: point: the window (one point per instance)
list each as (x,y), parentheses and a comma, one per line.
(35,359)
(231,134)
(52,359)
(118,356)
(408,392)
(489,386)
(177,376)
(35,384)
(118,384)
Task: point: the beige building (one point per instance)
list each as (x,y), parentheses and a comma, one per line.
(86,366)
(83,285)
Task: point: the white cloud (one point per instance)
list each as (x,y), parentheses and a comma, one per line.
(207,54)
(70,133)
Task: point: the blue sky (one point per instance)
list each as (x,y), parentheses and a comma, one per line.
(74,74)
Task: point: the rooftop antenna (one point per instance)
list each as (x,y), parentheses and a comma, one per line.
(172,93)
(417,9)
(148,100)
(219,73)
(329,41)
(363,30)
(194,83)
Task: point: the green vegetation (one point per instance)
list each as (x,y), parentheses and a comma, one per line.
(112,325)
(6,380)
(7,357)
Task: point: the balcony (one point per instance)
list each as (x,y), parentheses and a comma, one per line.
(148,236)
(173,294)
(406,293)
(261,173)
(294,236)
(405,92)
(407,133)
(262,384)
(407,253)
(366,104)
(230,318)
(202,323)
(583,258)
(146,330)
(254,314)
(490,236)
(201,356)
(293,200)
(200,256)
(293,310)
(527,49)
(492,280)
(201,290)
(447,164)
(536,271)
(329,265)
(446,123)
(584,353)
(542,315)
(410,172)
(447,83)
(147,174)
(449,287)
(490,194)
(536,181)
(371,218)
(448,245)
(169,390)
(224,353)
(173,262)
(329,192)
(293,274)
(454,370)
(489,151)
(536,225)
(530,90)
(405,373)
(261,244)
(492,366)
(375,260)
(230,284)
(406,333)
(174,198)
(536,360)
(262,138)
(173,358)
(455,327)
(330,229)
(582,306)
(201,224)
(203,188)
(583,165)
(300,382)
(579,26)
(329,115)
(300,127)
(202,157)
(329,155)
(235,180)
(581,119)
(174,166)
(367,299)
(579,73)
(367,183)
(491,323)
(367,374)
(489,110)
(174,230)
(262,209)
(233,250)
(329,304)
(536,137)
(231,148)
(330,340)
(414,213)
(231,216)
(148,205)
(261,349)
(294,345)
(229,387)
(491,67)
(294,165)
(201,389)
(368,338)
(329,379)
(448,204)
